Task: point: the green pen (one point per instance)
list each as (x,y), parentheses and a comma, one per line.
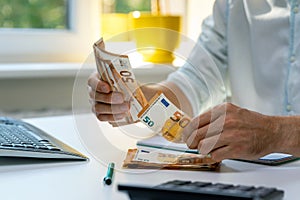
(110,171)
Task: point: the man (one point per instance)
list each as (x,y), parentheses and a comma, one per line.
(256,48)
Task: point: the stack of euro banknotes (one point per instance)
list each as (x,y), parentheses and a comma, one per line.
(159,114)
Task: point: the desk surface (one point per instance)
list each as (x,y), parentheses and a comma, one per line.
(31,179)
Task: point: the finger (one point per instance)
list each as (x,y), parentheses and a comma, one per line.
(207,145)
(110,98)
(98,85)
(110,118)
(194,139)
(204,119)
(206,131)
(93,109)
(221,153)
(101,108)
(211,115)
(190,129)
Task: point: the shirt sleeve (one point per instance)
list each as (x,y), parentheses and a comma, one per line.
(202,77)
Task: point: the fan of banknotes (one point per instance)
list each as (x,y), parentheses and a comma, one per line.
(116,70)
(159,114)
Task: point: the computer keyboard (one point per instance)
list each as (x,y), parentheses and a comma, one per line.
(183,190)
(21,139)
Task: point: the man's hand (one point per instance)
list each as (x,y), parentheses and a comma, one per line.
(107,105)
(228,131)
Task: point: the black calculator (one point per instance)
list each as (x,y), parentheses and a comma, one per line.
(188,190)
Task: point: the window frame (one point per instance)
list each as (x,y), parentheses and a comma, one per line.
(75,44)
(50,45)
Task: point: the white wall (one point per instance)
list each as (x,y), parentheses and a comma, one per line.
(55,92)
(197,10)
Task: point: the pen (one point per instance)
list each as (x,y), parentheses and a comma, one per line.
(110,171)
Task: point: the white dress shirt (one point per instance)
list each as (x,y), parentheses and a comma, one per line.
(255,45)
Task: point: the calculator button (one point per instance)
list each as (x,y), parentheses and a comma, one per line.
(244,187)
(222,186)
(201,184)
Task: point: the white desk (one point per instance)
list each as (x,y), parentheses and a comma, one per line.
(83,180)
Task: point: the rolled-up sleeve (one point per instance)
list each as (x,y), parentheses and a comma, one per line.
(202,77)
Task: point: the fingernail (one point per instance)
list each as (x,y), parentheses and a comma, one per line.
(117,99)
(124,108)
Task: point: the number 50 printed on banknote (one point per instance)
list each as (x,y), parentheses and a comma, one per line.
(162,116)
(116,70)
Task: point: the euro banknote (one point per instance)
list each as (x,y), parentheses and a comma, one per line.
(117,71)
(169,161)
(160,114)
(164,156)
(163,117)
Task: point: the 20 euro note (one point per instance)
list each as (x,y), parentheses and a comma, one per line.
(162,116)
(116,70)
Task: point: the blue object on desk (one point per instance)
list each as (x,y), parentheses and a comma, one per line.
(109,175)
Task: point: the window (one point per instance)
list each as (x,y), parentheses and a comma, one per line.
(64,30)
(43,14)
(47,30)
(121,6)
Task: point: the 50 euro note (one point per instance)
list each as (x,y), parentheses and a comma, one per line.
(160,114)
(165,156)
(157,159)
(116,70)
(163,117)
